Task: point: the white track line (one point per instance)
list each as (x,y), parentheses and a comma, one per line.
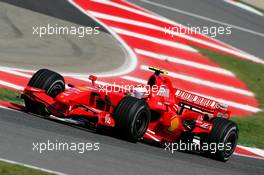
(184,62)
(18,71)
(249,156)
(203,18)
(153,27)
(3,68)
(231,50)
(4,107)
(181,35)
(244,6)
(243,54)
(10,71)
(133,10)
(15,72)
(256,151)
(205,82)
(154,39)
(131,59)
(32,167)
(11,85)
(230,103)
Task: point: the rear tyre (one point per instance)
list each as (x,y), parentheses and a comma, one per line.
(52,82)
(224,132)
(132,117)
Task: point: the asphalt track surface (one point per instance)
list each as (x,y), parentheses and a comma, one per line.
(19,130)
(65,53)
(215,10)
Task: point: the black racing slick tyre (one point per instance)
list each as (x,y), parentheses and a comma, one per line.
(224,132)
(52,82)
(132,117)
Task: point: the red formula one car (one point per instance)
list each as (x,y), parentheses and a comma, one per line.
(156,111)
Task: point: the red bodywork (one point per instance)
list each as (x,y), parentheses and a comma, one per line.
(173,111)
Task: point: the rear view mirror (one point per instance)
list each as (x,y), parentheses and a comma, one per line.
(93,79)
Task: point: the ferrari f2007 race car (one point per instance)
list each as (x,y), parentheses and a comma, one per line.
(164,115)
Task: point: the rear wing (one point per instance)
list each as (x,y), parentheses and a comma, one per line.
(201,104)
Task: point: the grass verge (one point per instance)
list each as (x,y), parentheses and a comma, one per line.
(10,95)
(251,128)
(12,169)
(250,5)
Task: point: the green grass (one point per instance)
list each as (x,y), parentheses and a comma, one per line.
(251,128)
(250,5)
(12,169)
(10,95)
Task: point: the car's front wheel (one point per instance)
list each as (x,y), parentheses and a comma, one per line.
(52,82)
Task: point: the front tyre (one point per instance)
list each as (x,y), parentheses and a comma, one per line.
(132,117)
(52,82)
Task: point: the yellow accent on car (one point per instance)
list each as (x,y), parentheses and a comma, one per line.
(83,88)
(160,70)
(174,124)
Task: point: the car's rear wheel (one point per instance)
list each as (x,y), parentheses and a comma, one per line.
(224,132)
(52,82)
(132,118)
